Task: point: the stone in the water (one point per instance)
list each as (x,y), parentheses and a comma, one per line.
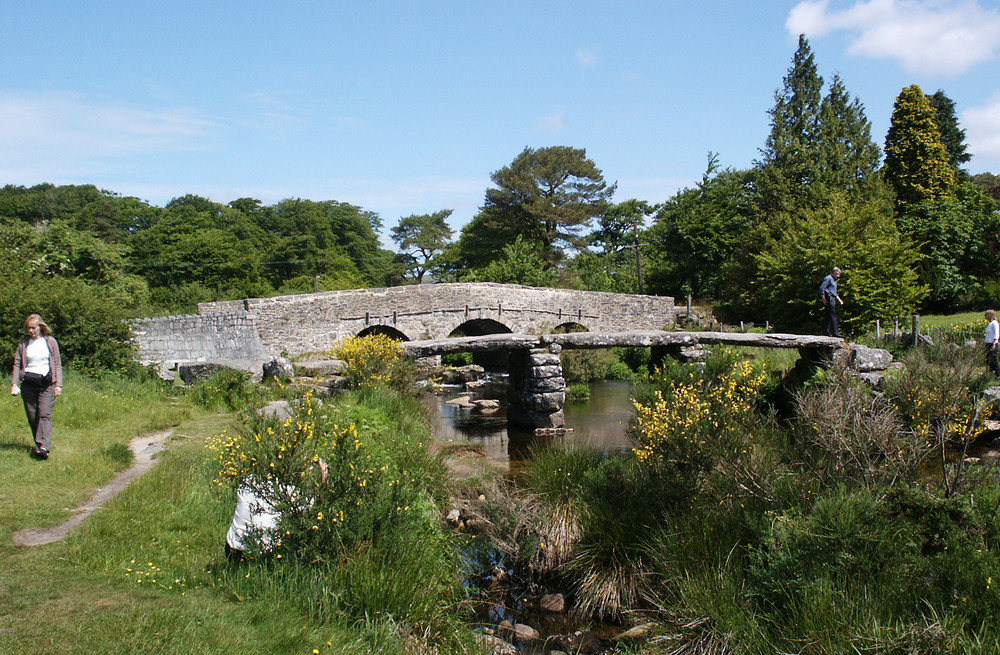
(554,603)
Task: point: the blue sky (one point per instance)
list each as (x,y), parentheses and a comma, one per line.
(408,107)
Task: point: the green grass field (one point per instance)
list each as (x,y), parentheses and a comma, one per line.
(147,573)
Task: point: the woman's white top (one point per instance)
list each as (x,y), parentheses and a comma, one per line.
(251,510)
(37,356)
(992,331)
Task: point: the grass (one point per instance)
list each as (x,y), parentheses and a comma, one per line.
(934,321)
(147,573)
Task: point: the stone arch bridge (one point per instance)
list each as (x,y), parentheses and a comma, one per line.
(313,322)
(247,333)
(257,328)
(520,322)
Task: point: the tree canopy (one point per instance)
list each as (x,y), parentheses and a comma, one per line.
(420,239)
(916,161)
(548,196)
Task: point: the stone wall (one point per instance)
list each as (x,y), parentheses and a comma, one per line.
(230,337)
(313,322)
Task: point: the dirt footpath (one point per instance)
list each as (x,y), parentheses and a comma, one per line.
(144,448)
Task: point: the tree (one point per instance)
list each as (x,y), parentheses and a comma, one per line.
(790,155)
(916,161)
(519,263)
(952,136)
(879,264)
(618,240)
(959,239)
(848,158)
(698,232)
(420,238)
(990,184)
(548,196)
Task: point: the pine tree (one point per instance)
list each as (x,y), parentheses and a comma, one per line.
(916,161)
(790,154)
(952,135)
(848,156)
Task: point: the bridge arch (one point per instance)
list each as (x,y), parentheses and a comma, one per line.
(495,361)
(387,330)
(480,327)
(570,326)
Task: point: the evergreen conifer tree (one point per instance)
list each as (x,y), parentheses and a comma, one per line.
(916,160)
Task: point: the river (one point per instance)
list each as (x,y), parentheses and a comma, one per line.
(599,422)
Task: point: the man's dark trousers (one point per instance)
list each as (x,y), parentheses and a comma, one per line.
(830,327)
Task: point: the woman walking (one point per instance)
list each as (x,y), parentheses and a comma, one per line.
(37,377)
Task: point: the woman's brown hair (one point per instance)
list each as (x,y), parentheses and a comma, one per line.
(35,318)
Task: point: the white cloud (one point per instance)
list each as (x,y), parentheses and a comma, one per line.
(926,36)
(53,134)
(587,55)
(553,122)
(982,128)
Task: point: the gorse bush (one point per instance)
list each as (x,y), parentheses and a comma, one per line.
(693,422)
(333,488)
(375,360)
(354,489)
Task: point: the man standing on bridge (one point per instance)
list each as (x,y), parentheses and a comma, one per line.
(828,294)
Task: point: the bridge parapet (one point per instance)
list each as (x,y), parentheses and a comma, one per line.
(314,321)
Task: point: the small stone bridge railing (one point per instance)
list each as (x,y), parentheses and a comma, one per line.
(538,388)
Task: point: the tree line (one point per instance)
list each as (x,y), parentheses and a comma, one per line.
(911,230)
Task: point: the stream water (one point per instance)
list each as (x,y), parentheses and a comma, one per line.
(599,422)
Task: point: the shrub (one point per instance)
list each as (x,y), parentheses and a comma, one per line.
(939,396)
(892,556)
(89,322)
(456,359)
(578,392)
(618,371)
(697,418)
(585,365)
(375,360)
(358,534)
(857,435)
(227,390)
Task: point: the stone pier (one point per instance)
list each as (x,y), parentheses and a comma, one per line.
(537,388)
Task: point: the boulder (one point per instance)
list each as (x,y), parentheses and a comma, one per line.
(546,402)
(554,603)
(583,642)
(545,371)
(191,372)
(544,359)
(518,633)
(496,645)
(635,633)
(461,374)
(316,367)
(546,385)
(278,368)
(865,360)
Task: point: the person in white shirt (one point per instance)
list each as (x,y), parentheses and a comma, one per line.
(37,377)
(991,338)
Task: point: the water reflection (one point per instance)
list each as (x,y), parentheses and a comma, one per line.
(599,422)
